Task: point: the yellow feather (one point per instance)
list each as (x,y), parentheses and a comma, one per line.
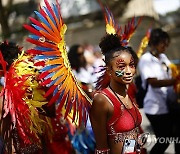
(175,73)
(110,29)
(142,46)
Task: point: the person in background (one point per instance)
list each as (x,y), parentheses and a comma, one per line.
(83,140)
(154,71)
(81,69)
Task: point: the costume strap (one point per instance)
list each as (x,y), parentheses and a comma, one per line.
(116,104)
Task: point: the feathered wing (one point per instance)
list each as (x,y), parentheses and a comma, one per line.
(48,36)
(25,122)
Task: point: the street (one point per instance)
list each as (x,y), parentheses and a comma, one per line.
(147,128)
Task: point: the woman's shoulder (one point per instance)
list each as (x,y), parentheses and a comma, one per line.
(100,99)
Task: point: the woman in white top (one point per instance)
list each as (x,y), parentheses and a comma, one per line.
(154,71)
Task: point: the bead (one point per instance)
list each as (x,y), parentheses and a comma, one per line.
(103,151)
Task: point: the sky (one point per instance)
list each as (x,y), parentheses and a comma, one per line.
(164,6)
(80,7)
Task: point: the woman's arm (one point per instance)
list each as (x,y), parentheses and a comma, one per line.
(98,117)
(154,82)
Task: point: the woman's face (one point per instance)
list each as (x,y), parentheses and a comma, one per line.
(122,67)
(161,47)
(80,54)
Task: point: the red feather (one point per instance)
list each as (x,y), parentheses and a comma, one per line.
(42,12)
(43,75)
(32,30)
(54,99)
(103,81)
(45,82)
(34,52)
(50,90)
(36,22)
(64,98)
(39,63)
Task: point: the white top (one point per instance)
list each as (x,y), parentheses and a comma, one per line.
(2,81)
(86,75)
(152,67)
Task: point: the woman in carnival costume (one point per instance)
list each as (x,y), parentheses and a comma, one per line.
(21,124)
(114,115)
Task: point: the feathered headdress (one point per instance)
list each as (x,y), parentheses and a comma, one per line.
(50,52)
(125,35)
(113,28)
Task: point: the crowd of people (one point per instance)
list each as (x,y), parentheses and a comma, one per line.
(106,74)
(159,80)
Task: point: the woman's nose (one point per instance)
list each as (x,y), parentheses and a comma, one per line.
(128,70)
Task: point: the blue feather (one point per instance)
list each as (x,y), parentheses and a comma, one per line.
(49,75)
(38,28)
(107,14)
(42,19)
(44,57)
(50,15)
(43,48)
(48,67)
(60,96)
(55,91)
(56,11)
(35,37)
(52,82)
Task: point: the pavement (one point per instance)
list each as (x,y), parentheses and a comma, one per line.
(147,128)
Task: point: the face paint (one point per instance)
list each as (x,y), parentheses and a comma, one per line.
(119,73)
(132,65)
(119,61)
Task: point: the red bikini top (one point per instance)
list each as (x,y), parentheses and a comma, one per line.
(123,119)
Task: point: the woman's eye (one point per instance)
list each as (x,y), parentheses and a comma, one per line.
(132,65)
(121,67)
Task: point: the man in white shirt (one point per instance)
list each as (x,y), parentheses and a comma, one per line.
(154,70)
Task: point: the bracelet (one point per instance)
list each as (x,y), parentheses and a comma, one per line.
(102,151)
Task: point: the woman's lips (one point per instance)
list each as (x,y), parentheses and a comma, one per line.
(128,78)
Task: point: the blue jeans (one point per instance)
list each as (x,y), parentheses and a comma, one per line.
(1,146)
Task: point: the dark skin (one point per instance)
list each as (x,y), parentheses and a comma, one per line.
(102,110)
(160,48)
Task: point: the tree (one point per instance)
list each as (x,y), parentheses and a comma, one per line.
(4,15)
(116,6)
(20,9)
